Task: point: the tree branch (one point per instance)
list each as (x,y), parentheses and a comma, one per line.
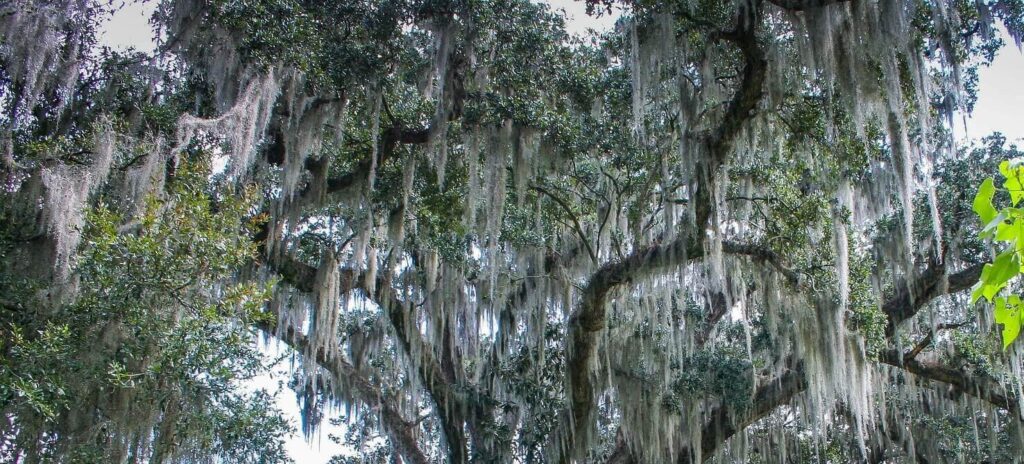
(723,424)
(764,255)
(590,318)
(975,384)
(397,134)
(450,405)
(927,340)
(727,421)
(575,222)
(391,138)
(911,297)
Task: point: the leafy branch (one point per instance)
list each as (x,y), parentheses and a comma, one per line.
(1006,228)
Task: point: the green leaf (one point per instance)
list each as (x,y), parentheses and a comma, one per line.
(983,201)
(976,291)
(1004,267)
(992,227)
(1013,173)
(1005,169)
(1010,232)
(1015,188)
(994,276)
(1007,313)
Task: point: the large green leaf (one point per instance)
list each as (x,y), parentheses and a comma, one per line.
(983,201)
(1010,231)
(994,276)
(1006,228)
(1013,173)
(993,226)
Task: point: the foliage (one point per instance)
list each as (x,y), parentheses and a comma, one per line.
(154,322)
(1005,227)
(487,240)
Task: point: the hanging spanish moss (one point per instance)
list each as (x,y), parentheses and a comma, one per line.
(728,231)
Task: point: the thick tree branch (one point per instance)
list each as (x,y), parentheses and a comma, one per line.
(925,342)
(764,255)
(911,297)
(977,384)
(901,306)
(726,421)
(591,318)
(451,406)
(390,139)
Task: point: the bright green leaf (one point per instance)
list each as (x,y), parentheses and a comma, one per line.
(1015,188)
(990,229)
(1013,172)
(976,293)
(983,201)
(1010,232)
(1003,268)
(994,276)
(1005,169)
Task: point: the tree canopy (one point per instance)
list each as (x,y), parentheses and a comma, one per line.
(724,231)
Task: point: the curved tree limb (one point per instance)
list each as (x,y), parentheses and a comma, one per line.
(930,284)
(591,318)
(974,384)
(899,307)
(724,422)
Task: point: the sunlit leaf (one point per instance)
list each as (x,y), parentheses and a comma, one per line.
(983,201)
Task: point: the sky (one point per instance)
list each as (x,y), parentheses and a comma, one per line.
(577,21)
(999,108)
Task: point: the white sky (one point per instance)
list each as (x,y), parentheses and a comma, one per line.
(319,448)
(1000,96)
(577,20)
(999,108)
(129,27)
